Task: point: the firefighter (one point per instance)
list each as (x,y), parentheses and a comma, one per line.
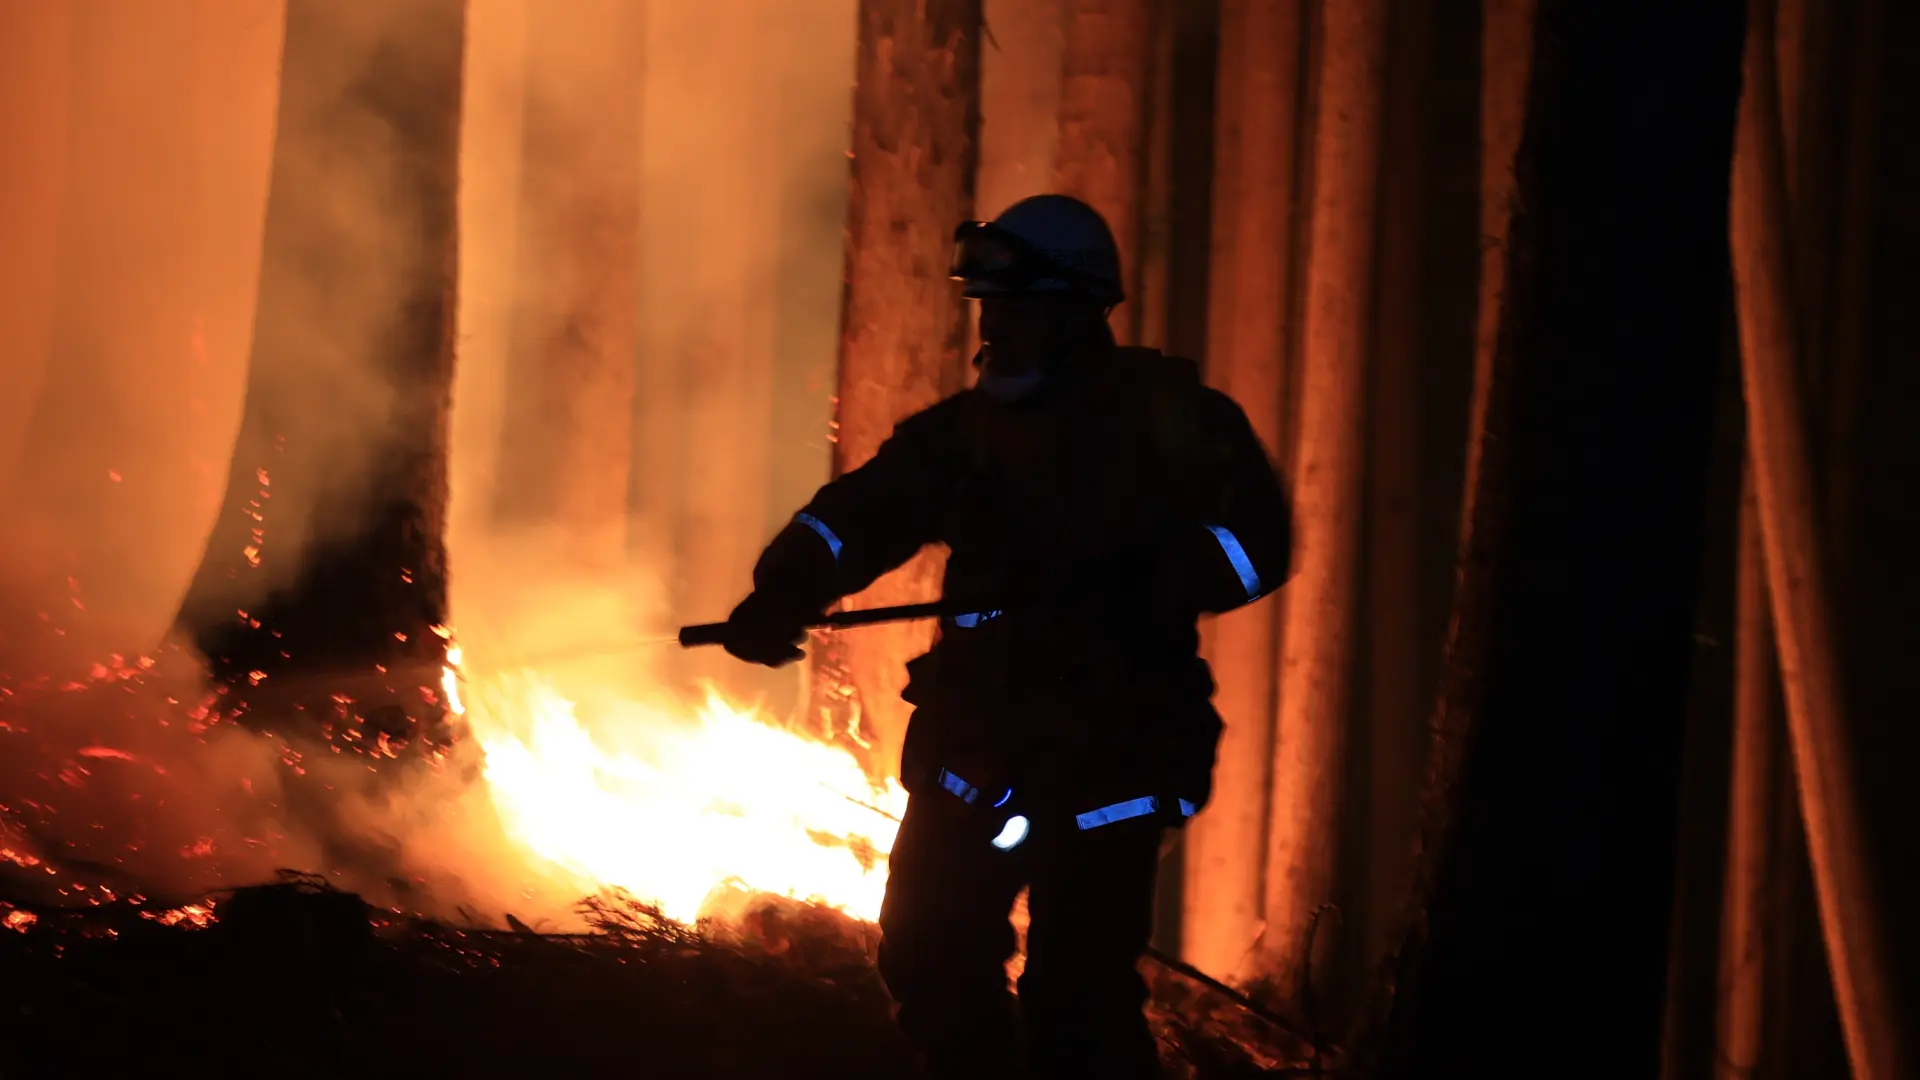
(1096,501)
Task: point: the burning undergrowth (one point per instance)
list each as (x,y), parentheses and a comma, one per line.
(140,808)
(136,778)
(298,980)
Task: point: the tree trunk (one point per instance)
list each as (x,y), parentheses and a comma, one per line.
(1320,604)
(1174,263)
(1823,745)
(1506,65)
(1748,924)
(1506,55)
(1151,279)
(1392,693)
(915,139)
(1250,336)
(568,430)
(328,559)
(1548,833)
(1105,90)
(1689,1038)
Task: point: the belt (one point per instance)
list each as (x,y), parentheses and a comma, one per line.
(1015,826)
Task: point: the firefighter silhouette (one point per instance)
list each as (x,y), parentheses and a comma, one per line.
(1096,502)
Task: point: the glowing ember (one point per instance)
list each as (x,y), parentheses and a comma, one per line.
(21,921)
(192,916)
(720,801)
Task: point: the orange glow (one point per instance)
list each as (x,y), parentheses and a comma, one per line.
(687,807)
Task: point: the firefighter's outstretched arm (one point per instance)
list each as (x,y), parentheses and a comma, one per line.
(1242,547)
(855,529)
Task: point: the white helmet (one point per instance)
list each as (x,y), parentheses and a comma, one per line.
(1042,244)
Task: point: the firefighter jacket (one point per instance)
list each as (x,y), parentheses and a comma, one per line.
(1088,529)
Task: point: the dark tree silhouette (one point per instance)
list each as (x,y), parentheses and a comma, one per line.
(325,573)
(1549,845)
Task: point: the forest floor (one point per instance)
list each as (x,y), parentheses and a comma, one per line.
(297,980)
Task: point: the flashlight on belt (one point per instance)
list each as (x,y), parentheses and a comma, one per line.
(1010,825)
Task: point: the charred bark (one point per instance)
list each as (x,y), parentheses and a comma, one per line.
(326,570)
(1251,335)
(1320,603)
(567,445)
(1106,87)
(1824,744)
(916,113)
(1548,837)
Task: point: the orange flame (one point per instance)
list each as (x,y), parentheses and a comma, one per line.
(687,807)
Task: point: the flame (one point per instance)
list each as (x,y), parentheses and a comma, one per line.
(17,920)
(450,682)
(688,807)
(192,916)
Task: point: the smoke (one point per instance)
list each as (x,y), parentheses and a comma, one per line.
(739,183)
(137,138)
(151,144)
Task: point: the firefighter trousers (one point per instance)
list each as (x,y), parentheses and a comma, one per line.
(946,940)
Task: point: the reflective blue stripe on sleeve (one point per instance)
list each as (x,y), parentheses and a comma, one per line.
(973,619)
(1187,809)
(1237,555)
(818,526)
(1120,811)
(967,792)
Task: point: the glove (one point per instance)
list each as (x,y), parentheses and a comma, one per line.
(762,631)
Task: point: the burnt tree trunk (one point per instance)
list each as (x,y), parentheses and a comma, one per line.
(567,441)
(916,112)
(326,570)
(1824,745)
(1548,843)
(1106,86)
(1319,607)
(1251,335)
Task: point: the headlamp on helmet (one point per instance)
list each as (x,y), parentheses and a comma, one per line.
(995,262)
